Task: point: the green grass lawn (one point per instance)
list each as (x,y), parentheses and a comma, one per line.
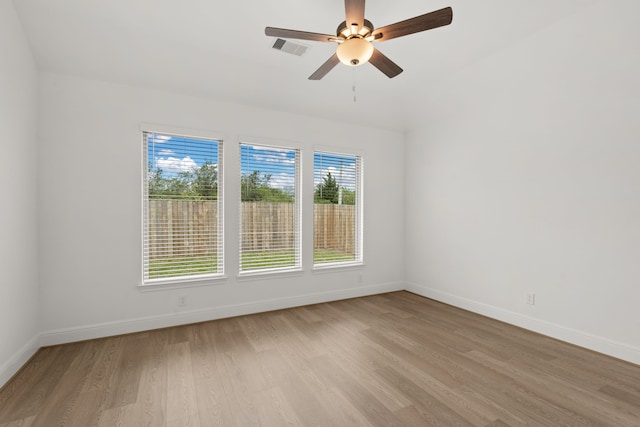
(263,260)
(182,266)
(208,264)
(321,256)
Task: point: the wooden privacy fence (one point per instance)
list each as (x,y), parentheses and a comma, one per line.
(334,227)
(267,226)
(180,228)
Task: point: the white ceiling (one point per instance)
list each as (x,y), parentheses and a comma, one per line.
(218,49)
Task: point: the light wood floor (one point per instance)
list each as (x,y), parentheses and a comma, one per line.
(393,359)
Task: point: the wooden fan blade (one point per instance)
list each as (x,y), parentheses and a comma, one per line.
(384,64)
(354,11)
(428,21)
(295,34)
(325,68)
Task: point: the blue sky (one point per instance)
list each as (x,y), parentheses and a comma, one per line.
(341,167)
(277,162)
(175,154)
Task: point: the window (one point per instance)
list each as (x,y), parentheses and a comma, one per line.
(183,233)
(269,208)
(337,217)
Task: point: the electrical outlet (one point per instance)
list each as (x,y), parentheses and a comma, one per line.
(359,278)
(182,301)
(531,299)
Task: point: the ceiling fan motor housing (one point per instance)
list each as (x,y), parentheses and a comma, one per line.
(345,30)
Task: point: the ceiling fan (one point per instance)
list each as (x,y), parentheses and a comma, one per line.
(355,34)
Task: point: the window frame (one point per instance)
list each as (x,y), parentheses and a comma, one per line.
(147,284)
(359,262)
(275,144)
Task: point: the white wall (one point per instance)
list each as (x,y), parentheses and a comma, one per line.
(523,178)
(91,209)
(526,178)
(18,189)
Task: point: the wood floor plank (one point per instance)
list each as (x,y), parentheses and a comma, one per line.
(120,416)
(488,367)
(206,361)
(24,422)
(360,361)
(79,372)
(390,359)
(273,409)
(566,397)
(358,395)
(631,399)
(151,402)
(257,332)
(424,402)
(181,390)
(128,371)
(35,383)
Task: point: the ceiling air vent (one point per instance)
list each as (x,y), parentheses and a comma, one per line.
(289,47)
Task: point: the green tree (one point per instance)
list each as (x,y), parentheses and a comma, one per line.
(205,181)
(200,184)
(327,191)
(162,187)
(348,197)
(180,186)
(257,188)
(156,182)
(250,186)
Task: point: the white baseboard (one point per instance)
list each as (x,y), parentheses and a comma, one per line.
(17,361)
(61,336)
(579,338)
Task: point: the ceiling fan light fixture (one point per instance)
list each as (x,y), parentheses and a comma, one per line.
(355,35)
(355,51)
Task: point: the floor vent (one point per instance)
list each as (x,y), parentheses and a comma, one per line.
(289,47)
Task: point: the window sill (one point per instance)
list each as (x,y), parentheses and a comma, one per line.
(181,283)
(268,274)
(336,267)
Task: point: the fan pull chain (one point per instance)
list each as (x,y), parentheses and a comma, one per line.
(353,88)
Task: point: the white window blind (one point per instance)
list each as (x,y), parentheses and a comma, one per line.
(269,208)
(183,232)
(337,217)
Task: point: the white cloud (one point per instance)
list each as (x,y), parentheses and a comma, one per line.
(281,159)
(347,178)
(258,153)
(175,165)
(277,150)
(283,181)
(166,152)
(161,139)
(276,156)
